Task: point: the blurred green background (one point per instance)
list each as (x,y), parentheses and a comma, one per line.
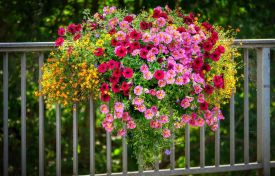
(38,20)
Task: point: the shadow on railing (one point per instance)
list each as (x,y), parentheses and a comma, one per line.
(262,47)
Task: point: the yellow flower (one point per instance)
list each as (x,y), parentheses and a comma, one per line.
(99,43)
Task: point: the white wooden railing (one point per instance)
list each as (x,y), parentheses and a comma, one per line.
(262,47)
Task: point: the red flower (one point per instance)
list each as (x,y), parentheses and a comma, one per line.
(114,80)
(111,64)
(102,68)
(208,89)
(135,35)
(204,106)
(159,74)
(114,42)
(112,31)
(143,25)
(115,88)
(77,36)
(99,52)
(143,53)
(220,49)
(126,93)
(127,73)
(189,19)
(125,86)
(215,56)
(121,51)
(59,41)
(163,15)
(156,13)
(181,29)
(197,64)
(207,46)
(78,27)
(218,81)
(135,45)
(61,31)
(117,73)
(206,67)
(104,87)
(159,60)
(128,18)
(105,97)
(72,28)
(207,26)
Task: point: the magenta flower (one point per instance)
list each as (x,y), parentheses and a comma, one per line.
(166,133)
(148,114)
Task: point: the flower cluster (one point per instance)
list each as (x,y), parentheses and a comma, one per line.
(154,71)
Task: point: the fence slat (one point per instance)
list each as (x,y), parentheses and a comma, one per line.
(41,122)
(75,141)
(156,163)
(172,147)
(246,106)
(202,146)
(58,140)
(92,137)
(232,129)
(124,154)
(109,153)
(23,116)
(263,108)
(5,113)
(217,146)
(187,146)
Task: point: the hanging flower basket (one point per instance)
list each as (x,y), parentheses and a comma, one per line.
(152,73)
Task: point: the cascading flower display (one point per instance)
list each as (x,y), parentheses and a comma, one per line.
(153,72)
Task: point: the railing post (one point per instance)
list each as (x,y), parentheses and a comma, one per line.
(263,108)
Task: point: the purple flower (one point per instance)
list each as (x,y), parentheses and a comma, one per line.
(167,152)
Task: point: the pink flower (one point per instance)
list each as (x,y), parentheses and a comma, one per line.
(154,109)
(147,75)
(161,22)
(197,88)
(167,39)
(118,115)
(143,53)
(109,117)
(104,109)
(146,37)
(124,25)
(131,124)
(185,103)
(201,98)
(163,119)
(179,81)
(166,133)
(119,107)
(138,90)
(113,22)
(121,132)
(148,114)
(199,122)
(109,127)
(185,118)
(152,92)
(126,117)
(160,94)
(138,101)
(121,35)
(169,79)
(161,83)
(155,124)
(144,68)
(141,108)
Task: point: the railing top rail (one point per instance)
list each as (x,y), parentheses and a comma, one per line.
(45,46)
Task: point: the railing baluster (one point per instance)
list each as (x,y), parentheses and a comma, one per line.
(246,106)
(263,108)
(41,122)
(58,140)
(23,116)
(75,141)
(202,146)
(109,153)
(232,129)
(5,113)
(156,163)
(187,146)
(172,147)
(217,146)
(124,154)
(140,163)
(92,137)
